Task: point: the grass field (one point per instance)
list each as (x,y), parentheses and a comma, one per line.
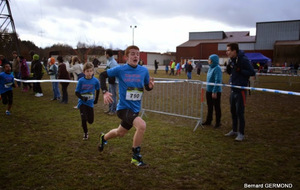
(42,148)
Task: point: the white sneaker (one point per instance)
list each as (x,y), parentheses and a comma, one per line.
(231,133)
(39,94)
(85,136)
(240,137)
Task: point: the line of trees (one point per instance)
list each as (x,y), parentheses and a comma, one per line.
(10,43)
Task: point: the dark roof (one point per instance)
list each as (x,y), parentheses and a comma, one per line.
(193,43)
(294,42)
(282,21)
(240,37)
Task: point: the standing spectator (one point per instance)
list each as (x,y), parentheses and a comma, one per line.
(155,66)
(167,68)
(16,67)
(24,70)
(213,93)
(240,69)
(6,84)
(37,70)
(172,67)
(96,63)
(85,91)
(53,71)
(111,63)
(296,67)
(63,74)
(178,69)
(75,68)
(189,69)
(45,63)
(199,67)
(185,66)
(141,62)
(133,78)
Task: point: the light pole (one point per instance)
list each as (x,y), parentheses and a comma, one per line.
(133,27)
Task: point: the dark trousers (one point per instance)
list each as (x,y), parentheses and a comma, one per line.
(213,103)
(198,71)
(64,87)
(17,76)
(25,84)
(237,108)
(113,89)
(87,115)
(37,86)
(172,72)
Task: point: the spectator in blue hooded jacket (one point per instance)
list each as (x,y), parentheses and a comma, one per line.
(213,93)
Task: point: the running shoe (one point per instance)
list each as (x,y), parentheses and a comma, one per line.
(7,112)
(137,157)
(137,161)
(102,142)
(85,136)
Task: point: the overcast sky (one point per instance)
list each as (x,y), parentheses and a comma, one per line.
(161,24)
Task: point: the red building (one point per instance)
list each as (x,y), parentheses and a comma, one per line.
(268,37)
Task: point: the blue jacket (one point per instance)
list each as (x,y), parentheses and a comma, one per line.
(240,69)
(214,75)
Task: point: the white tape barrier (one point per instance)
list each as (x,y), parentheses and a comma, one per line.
(240,87)
(179,81)
(57,80)
(257,89)
(285,75)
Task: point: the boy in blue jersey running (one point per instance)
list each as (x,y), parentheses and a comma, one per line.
(6,84)
(85,91)
(132,80)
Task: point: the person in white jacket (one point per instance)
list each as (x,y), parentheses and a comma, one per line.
(75,68)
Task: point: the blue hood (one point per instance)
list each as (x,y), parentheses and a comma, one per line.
(215,60)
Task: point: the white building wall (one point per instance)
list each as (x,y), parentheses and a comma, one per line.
(161,58)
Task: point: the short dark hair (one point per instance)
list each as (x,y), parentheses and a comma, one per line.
(6,63)
(233,46)
(109,52)
(60,59)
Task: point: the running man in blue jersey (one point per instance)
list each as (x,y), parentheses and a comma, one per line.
(133,78)
(85,91)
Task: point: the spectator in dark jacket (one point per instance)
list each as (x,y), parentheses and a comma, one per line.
(24,71)
(37,70)
(189,69)
(63,74)
(240,69)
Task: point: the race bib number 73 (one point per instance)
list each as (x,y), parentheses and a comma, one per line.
(134,94)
